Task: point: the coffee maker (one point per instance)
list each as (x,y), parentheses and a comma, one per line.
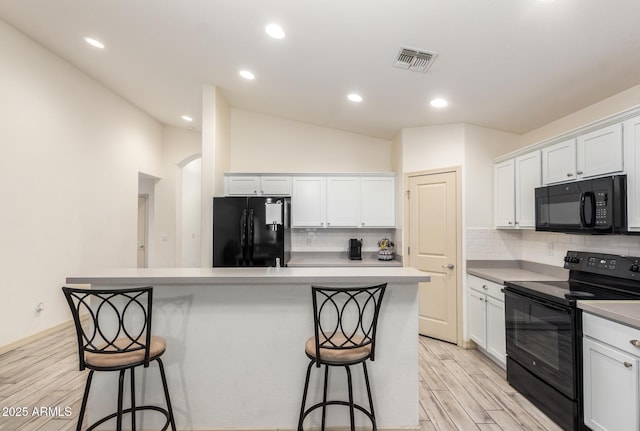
(355,249)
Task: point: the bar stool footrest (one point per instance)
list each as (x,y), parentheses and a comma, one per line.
(138,408)
(340,403)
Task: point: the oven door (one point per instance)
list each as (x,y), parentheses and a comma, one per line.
(541,338)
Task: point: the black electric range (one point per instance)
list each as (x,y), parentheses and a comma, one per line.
(544,329)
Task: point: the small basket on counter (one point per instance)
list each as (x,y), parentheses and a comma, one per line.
(386,248)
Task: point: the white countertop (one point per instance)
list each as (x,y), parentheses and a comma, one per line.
(500,275)
(625,312)
(250,276)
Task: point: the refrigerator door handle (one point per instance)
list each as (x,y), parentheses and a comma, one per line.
(243,235)
(250,239)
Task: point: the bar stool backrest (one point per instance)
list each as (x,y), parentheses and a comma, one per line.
(346,317)
(111,321)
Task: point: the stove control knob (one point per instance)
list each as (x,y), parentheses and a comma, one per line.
(567,259)
(575,259)
(634,268)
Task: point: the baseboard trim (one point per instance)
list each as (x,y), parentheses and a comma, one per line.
(35,337)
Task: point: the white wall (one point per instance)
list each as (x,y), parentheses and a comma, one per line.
(264,143)
(70,154)
(432,147)
(179,146)
(482,146)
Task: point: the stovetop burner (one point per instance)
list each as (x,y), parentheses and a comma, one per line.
(592,276)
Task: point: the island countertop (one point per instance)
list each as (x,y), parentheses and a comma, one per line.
(249,276)
(235,355)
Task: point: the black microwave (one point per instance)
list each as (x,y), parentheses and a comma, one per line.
(594,206)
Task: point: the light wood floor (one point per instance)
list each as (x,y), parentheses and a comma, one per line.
(460,389)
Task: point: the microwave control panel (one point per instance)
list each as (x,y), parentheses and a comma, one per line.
(601,200)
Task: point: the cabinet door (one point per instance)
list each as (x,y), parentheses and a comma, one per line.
(477,318)
(496,340)
(528,170)
(600,152)
(610,388)
(559,162)
(343,206)
(308,197)
(243,186)
(378,201)
(504,206)
(275,186)
(632,169)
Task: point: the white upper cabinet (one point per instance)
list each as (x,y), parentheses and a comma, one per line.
(559,162)
(590,155)
(308,202)
(347,201)
(275,186)
(255,185)
(242,186)
(504,178)
(378,201)
(600,152)
(515,183)
(632,168)
(528,169)
(343,206)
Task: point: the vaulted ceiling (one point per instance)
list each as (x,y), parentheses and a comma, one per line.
(511,65)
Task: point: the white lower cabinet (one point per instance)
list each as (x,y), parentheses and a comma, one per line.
(610,371)
(485,317)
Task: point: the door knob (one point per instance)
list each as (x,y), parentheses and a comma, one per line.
(448,266)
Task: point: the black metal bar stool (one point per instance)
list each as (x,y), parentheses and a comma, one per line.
(117,337)
(345,322)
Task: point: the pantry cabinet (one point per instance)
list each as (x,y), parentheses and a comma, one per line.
(590,155)
(610,372)
(515,183)
(485,316)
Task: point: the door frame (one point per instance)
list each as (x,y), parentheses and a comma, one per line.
(457,170)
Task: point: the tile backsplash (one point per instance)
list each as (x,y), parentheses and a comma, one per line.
(335,240)
(542,247)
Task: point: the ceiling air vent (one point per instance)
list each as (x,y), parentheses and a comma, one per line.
(413,59)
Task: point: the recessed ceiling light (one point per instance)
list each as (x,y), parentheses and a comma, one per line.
(354,97)
(275,31)
(247,75)
(94,42)
(187,118)
(439,103)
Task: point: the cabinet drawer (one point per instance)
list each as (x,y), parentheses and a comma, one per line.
(615,334)
(485,286)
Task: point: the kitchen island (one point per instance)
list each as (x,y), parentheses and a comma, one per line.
(235,355)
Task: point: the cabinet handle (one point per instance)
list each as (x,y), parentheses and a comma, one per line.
(579,172)
(510,222)
(484,286)
(569,174)
(628,364)
(635,343)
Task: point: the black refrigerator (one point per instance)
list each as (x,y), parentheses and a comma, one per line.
(251,231)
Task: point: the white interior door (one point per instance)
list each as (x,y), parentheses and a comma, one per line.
(434,222)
